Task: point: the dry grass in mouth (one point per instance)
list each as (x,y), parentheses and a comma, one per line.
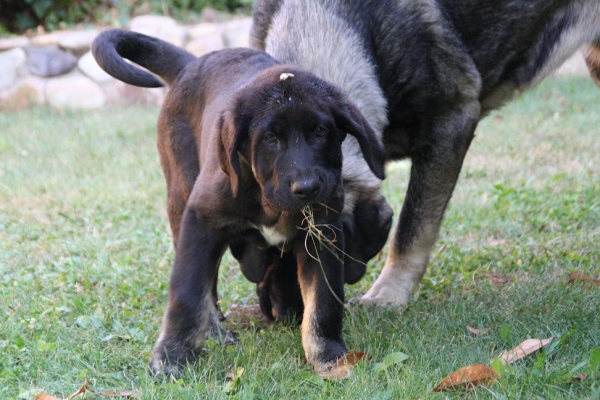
(315,233)
(319,238)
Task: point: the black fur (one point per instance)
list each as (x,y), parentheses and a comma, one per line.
(244,149)
(442,66)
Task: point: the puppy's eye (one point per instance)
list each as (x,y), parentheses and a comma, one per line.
(271,138)
(321,132)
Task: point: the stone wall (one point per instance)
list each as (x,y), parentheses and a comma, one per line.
(57,69)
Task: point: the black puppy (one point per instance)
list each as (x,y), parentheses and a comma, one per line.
(423,73)
(251,152)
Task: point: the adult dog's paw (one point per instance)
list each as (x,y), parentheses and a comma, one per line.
(390,289)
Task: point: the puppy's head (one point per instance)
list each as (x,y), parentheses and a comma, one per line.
(287,126)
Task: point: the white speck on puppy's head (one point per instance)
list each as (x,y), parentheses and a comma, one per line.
(285,75)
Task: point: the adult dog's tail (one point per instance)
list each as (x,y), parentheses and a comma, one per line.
(157,56)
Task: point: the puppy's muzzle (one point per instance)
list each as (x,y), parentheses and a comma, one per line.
(306,189)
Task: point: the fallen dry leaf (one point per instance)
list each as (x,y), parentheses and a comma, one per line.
(468,377)
(579,377)
(440,251)
(497,242)
(352,358)
(244,317)
(576,276)
(525,348)
(497,278)
(125,394)
(342,369)
(232,373)
(476,331)
(81,390)
(336,373)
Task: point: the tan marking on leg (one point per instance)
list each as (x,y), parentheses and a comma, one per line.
(592,59)
(310,342)
(401,273)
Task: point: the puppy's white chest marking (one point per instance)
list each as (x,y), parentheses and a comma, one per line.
(271,235)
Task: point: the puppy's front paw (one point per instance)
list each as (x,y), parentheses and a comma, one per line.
(324,353)
(169,358)
(224,336)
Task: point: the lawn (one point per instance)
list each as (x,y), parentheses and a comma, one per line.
(85,254)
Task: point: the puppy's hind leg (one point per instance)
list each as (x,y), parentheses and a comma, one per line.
(191,302)
(435,169)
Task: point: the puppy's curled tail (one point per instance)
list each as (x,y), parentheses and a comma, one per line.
(157,56)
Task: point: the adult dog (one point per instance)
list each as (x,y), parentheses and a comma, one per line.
(251,152)
(424,72)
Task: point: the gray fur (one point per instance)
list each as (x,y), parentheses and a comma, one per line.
(302,22)
(441,66)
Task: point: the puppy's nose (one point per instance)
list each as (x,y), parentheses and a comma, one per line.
(306,189)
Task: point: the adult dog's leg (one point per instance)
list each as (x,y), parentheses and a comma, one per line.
(366,231)
(435,168)
(322,286)
(190,297)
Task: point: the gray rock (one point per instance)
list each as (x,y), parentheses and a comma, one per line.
(237,32)
(25,94)
(77,42)
(175,35)
(209,14)
(13,43)
(206,44)
(88,65)
(74,92)
(11,63)
(204,30)
(50,61)
(156,22)
(46,39)
(119,93)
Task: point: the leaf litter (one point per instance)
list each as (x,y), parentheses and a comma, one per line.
(467,378)
(525,348)
(477,375)
(477,331)
(342,368)
(576,276)
(125,394)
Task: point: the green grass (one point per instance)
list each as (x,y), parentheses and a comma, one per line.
(85,253)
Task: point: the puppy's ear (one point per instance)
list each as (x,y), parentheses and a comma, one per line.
(233,132)
(351,120)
